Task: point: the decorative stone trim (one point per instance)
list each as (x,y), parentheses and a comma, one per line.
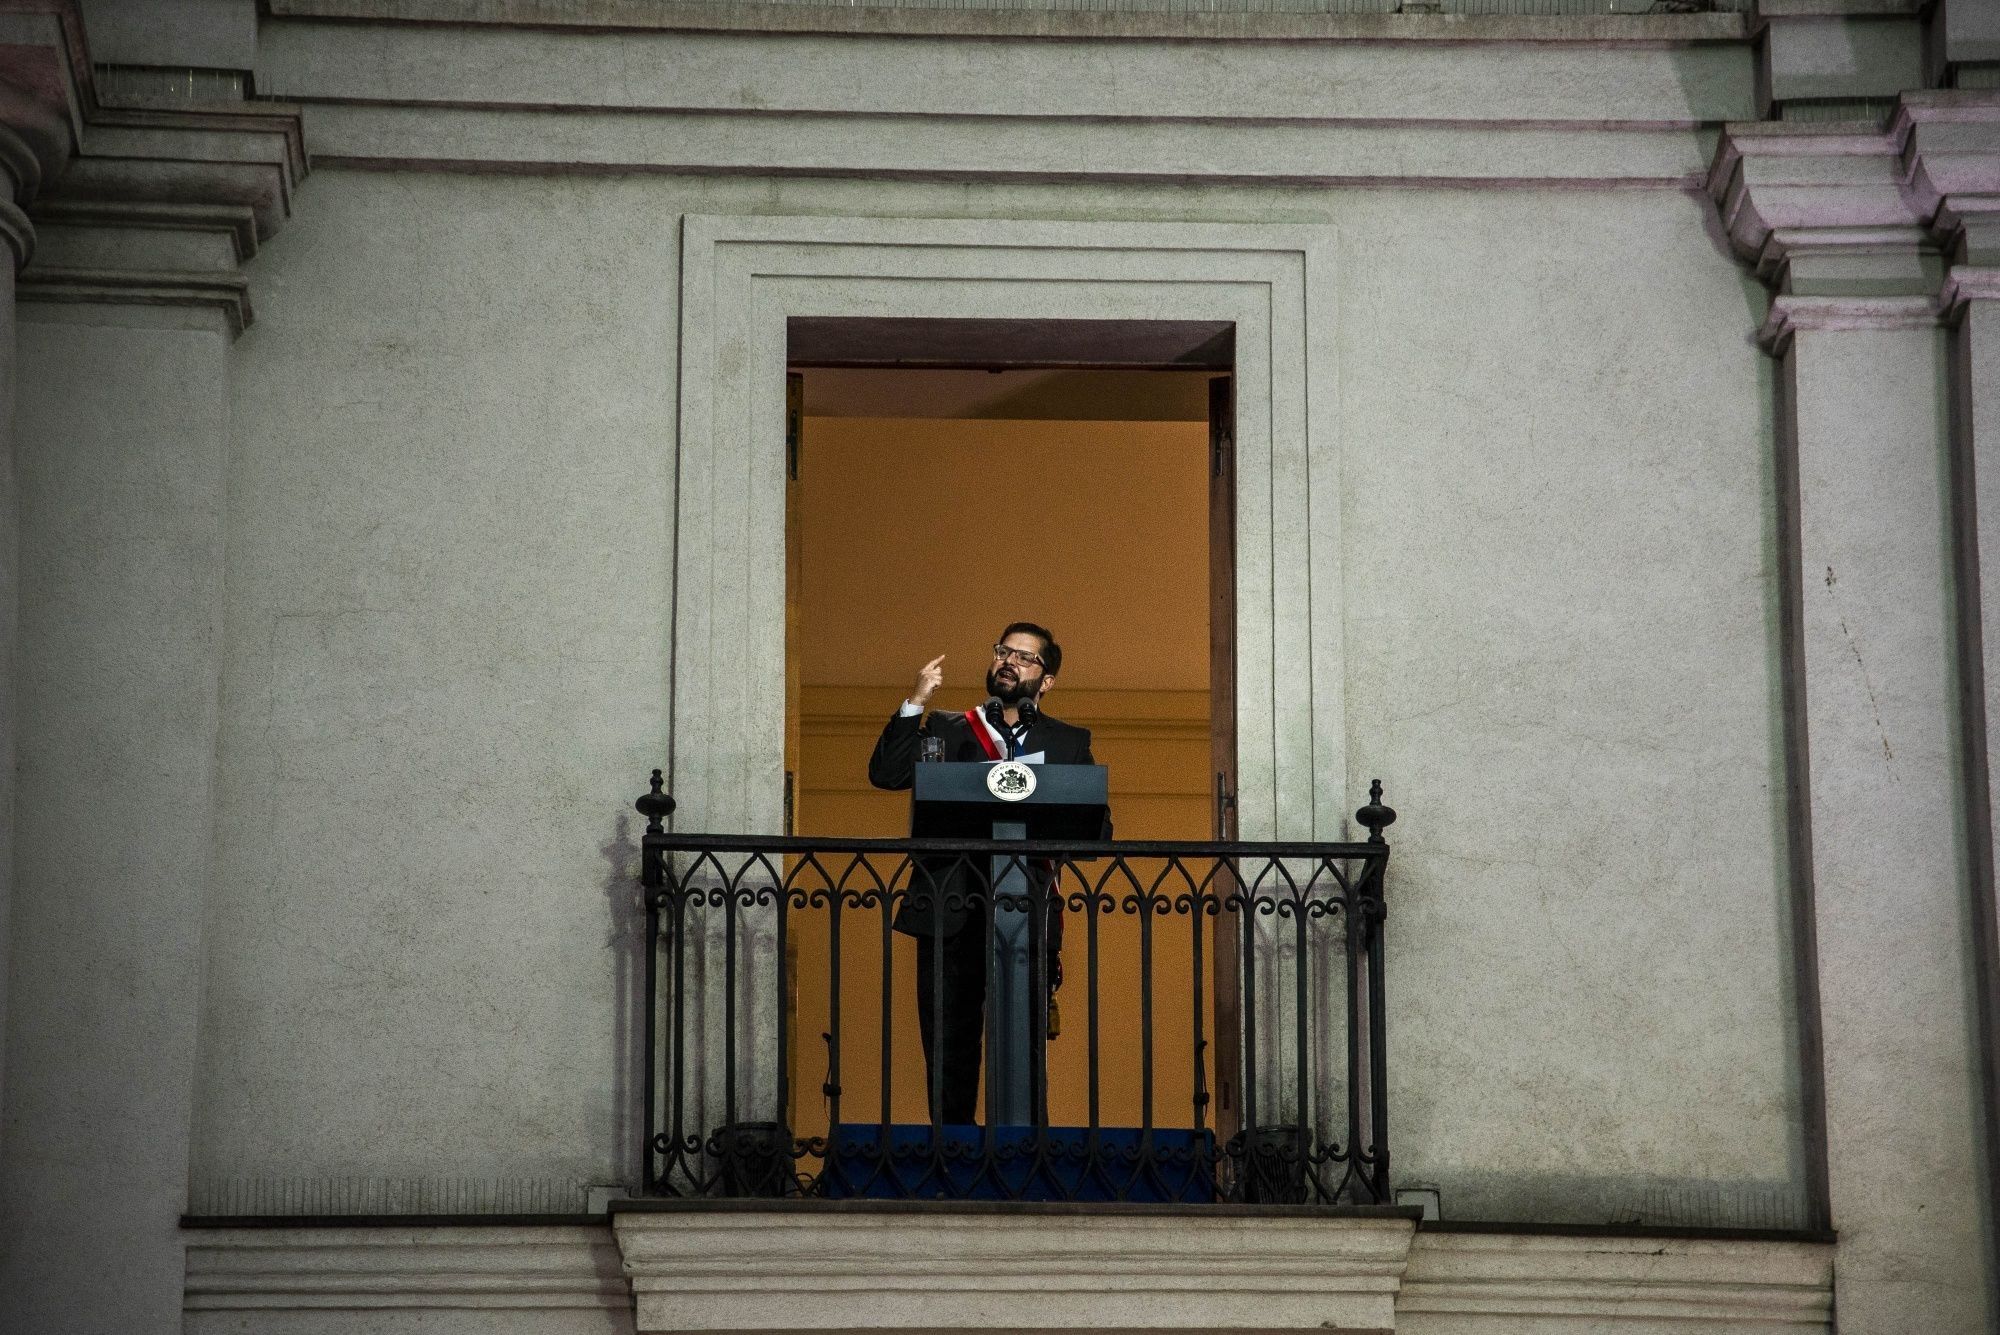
(1471,1282)
(241,157)
(1785,190)
(112,183)
(18,231)
(1218,24)
(236,222)
(227,295)
(20,177)
(1949,146)
(392,90)
(484,1268)
(1782,188)
(145,174)
(943,1269)
(1790,314)
(1966,284)
(742,277)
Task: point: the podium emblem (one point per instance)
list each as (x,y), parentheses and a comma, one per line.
(1010,781)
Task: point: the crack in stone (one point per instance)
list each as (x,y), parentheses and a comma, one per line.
(1868,682)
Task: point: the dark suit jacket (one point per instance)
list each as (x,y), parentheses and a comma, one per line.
(894,766)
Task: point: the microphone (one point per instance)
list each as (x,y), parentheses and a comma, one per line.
(993,715)
(1029,713)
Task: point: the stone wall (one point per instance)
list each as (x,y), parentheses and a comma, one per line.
(446,665)
(346,635)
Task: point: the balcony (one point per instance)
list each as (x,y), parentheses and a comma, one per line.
(1210,1032)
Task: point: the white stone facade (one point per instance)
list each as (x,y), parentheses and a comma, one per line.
(1614,399)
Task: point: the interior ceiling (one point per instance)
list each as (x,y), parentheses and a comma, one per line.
(1015,395)
(988,344)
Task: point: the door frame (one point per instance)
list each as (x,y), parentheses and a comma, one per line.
(744,278)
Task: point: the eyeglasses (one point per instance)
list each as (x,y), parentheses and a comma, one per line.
(1002,654)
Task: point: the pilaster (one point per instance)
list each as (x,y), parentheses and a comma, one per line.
(1972,310)
(1951,145)
(38,125)
(132,230)
(1862,234)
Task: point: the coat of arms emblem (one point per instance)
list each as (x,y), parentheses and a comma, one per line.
(1010,781)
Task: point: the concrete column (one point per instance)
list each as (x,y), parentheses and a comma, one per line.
(1865,460)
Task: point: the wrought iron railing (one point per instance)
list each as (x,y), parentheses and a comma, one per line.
(1230,999)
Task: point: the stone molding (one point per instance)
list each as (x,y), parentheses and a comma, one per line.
(43,73)
(145,186)
(225,295)
(792,1269)
(919,1267)
(249,156)
(18,231)
(22,171)
(1787,192)
(741,277)
(1790,314)
(479,92)
(135,190)
(487,1268)
(1783,189)
(1469,1282)
(994,21)
(1966,284)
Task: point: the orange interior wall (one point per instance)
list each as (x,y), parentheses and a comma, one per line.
(926,536)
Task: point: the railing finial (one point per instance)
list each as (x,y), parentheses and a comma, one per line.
(657,805)
(1375,815)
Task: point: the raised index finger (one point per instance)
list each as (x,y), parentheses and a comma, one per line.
(934,662)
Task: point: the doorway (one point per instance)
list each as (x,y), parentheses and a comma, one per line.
(947,477)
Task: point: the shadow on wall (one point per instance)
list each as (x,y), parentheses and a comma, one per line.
(627,943)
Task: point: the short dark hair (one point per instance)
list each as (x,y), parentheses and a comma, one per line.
(1051,651)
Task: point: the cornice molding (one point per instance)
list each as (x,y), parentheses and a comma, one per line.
(81,172)
(1949,145)
(1785,190)
(1782,187)
(1966,284)
(252,154)
(226,295)
(144,175)
(237,222)
(1064,22)
(1791,314)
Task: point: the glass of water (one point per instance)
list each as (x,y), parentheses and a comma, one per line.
(929,749)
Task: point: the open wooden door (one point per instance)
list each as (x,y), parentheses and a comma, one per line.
(1222,736)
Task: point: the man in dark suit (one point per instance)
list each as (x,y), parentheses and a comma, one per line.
(945,909)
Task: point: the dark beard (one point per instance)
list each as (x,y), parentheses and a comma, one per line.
(1010,693)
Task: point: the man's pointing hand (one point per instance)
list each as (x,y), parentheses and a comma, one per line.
(929,677)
